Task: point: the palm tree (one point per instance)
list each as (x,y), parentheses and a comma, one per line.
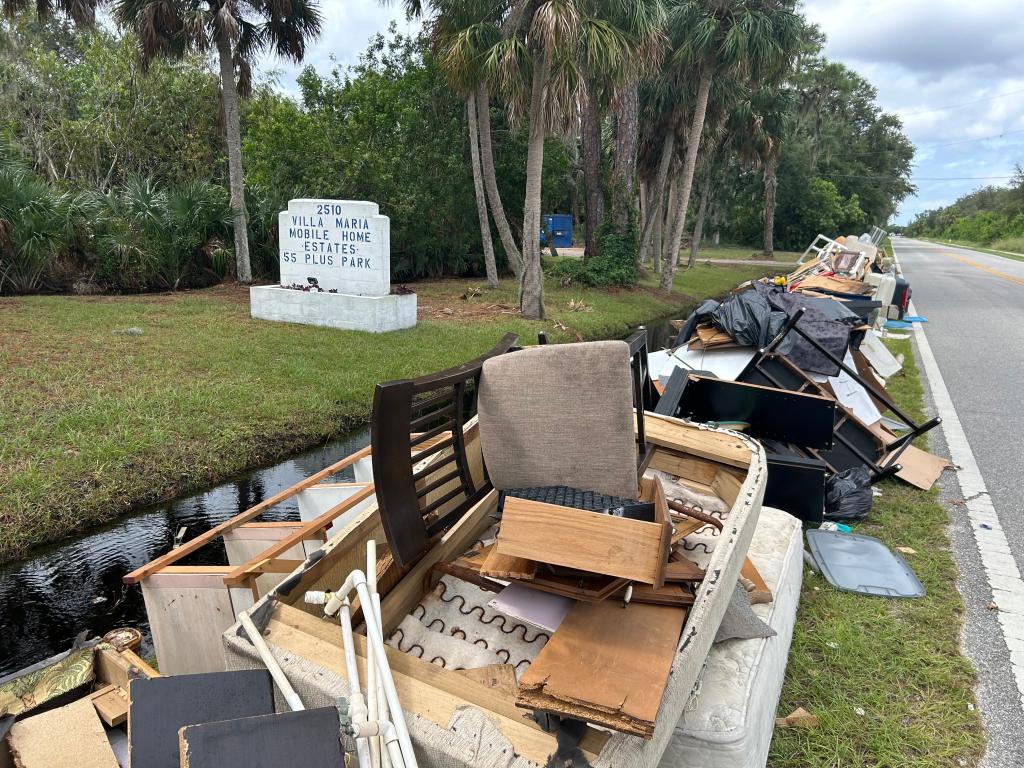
(238,30)
(466,32)
(754,37)
(775,119)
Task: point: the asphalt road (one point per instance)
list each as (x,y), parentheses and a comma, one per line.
(975,306)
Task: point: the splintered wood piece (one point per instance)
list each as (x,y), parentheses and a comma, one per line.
(111,704)
(798,718)
(67,736)
(606,664)
(498,677)
(687,438)
(468,575)
(309,738)
(759,593)
(681,569)
(159,707)
(502,566)
(587,541)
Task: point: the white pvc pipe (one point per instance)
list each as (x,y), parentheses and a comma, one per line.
(356,702)
(273,667)
(357,580)
(371,665)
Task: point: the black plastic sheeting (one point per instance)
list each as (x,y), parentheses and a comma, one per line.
(848,495)
(756,316)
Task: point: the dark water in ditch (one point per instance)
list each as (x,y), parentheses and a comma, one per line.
(75,586)
(47,600)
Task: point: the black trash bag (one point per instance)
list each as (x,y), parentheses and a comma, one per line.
(748,319)
(686,332)
(848,495)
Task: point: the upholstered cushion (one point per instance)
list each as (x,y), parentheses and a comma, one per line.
(560,415)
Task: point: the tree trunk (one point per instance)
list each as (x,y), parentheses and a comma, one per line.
(770,185)
(624,171)
(592,168)
(659,225)
(668,269)
(508,242)
(531,286)
(478,189)
(669,222)
(698,225)
(229,96)
(668,147)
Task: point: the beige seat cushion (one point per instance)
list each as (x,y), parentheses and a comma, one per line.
(560,415)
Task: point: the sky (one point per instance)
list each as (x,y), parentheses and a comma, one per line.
(952,69)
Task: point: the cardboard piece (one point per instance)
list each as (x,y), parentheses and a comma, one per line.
(920,468)
(159,707)
(309,738)
(71,735)
(606,664)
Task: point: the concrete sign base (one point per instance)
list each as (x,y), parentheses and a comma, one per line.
(376,314)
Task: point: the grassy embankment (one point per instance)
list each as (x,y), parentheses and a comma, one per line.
(885,677)
(95,422)
(1008,249)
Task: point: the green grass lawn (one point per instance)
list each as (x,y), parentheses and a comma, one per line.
(738,253)
(885,677)
(95,423)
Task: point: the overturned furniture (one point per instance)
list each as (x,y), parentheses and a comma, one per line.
(462,668)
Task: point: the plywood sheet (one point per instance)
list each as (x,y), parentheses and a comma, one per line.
(159,707)
(308,738)
(606,664)
(68,736)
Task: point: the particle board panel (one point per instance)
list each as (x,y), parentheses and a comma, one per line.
(71,735)
(161,706)
(205,611)
(309,738)
(588,541)
(606,664)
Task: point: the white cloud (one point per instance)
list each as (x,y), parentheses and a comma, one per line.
(925,54)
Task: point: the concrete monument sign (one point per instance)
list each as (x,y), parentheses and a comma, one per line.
(335,269)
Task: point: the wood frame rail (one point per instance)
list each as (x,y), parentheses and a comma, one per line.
(172,557)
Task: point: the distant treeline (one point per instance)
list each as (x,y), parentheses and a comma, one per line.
(992,216)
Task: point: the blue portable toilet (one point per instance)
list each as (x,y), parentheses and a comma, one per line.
(560,226)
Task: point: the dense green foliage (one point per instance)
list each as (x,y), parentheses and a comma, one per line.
(988,216)
(390,130)
(845,163)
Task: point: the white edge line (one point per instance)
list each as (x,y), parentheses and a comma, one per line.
(997,559)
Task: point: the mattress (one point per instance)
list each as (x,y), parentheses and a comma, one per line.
(728,722)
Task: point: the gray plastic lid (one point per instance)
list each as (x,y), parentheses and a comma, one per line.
(862,564)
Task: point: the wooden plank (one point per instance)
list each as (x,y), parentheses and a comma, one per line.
(159,707)
(606,664)
(727,487)
(577,538)
(200,541)
(682,569)
(669,594)
(687,438)
(424,689)
(308,738)
(404,596)
(71,735)
(499,677)
(111,704)
(137,662)
(118,667)
(500,566)
(244,572)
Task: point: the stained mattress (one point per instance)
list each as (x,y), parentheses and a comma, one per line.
(729,720)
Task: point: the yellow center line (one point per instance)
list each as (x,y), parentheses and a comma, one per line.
(983,268)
